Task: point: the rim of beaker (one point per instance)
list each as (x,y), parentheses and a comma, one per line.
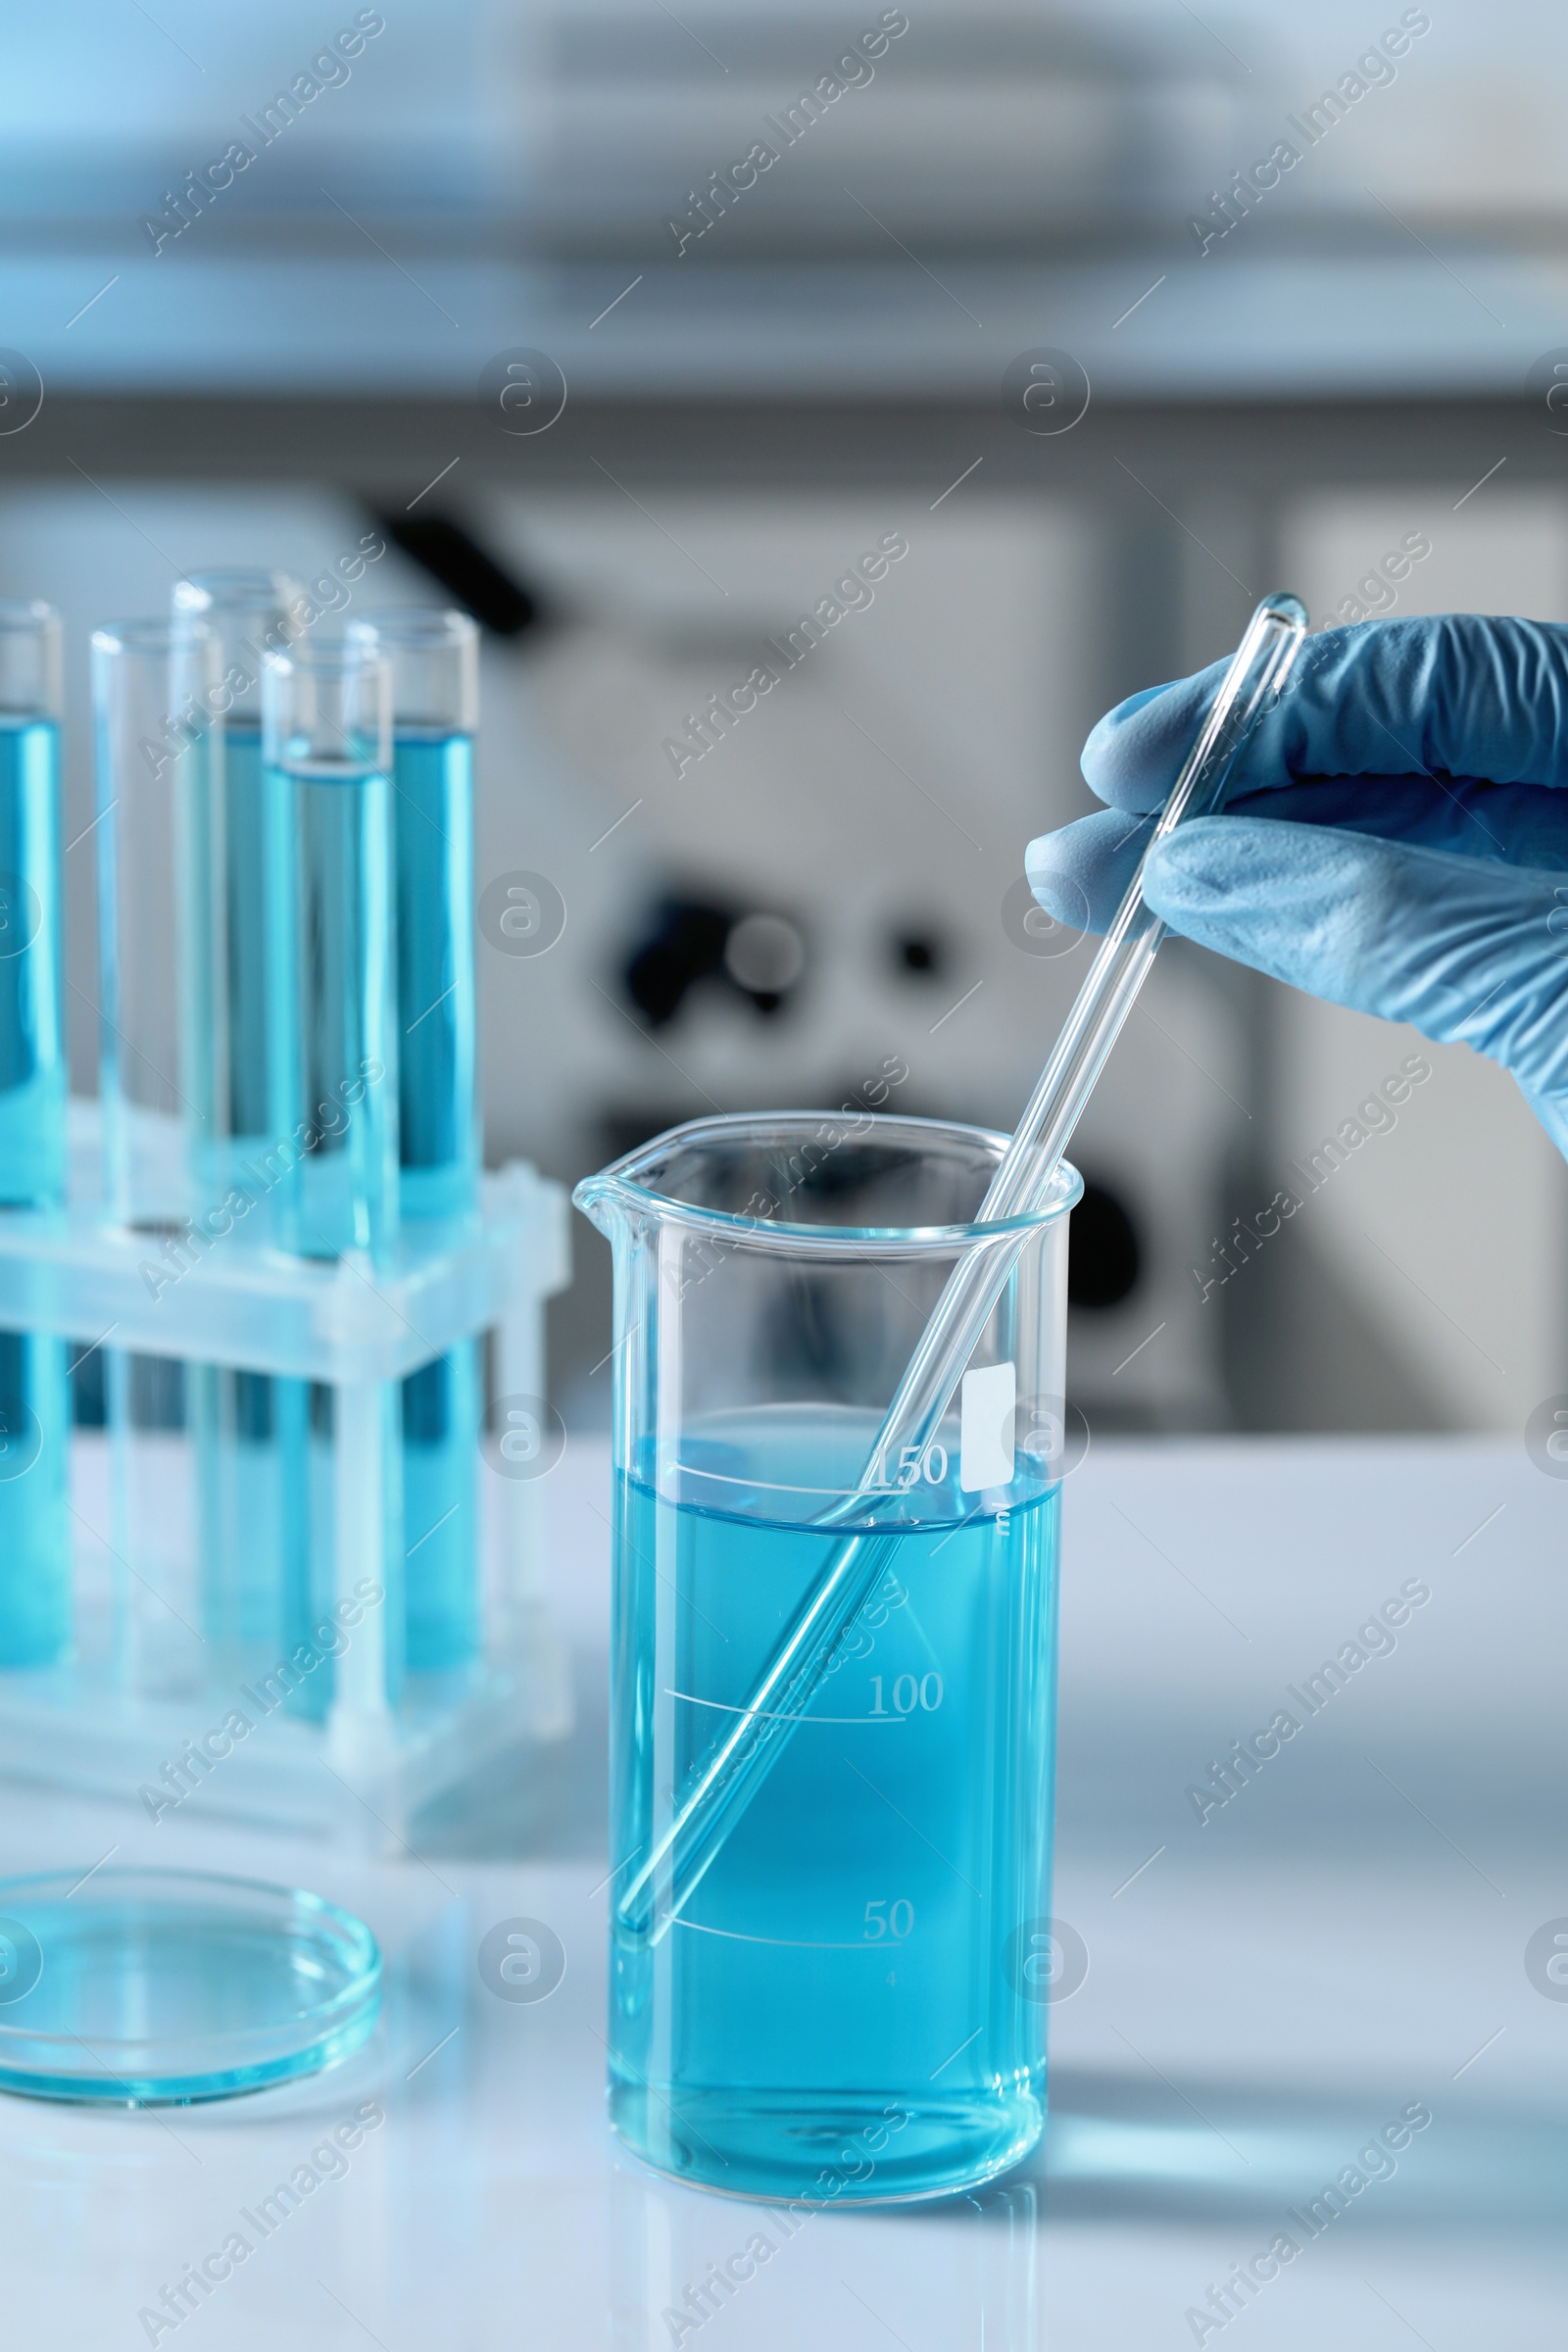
(619,1181)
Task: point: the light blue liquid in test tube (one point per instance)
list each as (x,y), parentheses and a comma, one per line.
(252,1429)
(34,1392)
(434,656)
(438,1124)
(331,996)
(330,887)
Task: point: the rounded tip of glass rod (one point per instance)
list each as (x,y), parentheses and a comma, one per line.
(1282,606)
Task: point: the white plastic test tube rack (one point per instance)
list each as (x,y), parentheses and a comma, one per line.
(107,1720)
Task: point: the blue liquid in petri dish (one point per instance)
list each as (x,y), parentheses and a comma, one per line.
(252,1428)
(34,1397)
(141,1987)
(438,1132)
(850,1963)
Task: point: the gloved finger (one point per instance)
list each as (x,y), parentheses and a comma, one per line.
(1132,755)
(1454,694)
(1519,824)
(1080,872)
(1467,950)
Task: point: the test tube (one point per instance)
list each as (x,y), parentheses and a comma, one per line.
(163,1074)
(157,697)
(249,615)
(434,661)
(251,1430)
(328,877)
(328,882)
(34,1395)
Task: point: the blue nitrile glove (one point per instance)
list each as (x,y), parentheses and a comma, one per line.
(1396,836)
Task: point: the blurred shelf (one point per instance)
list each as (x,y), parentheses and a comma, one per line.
(1250,324)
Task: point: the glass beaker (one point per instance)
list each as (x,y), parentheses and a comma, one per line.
(842,2003)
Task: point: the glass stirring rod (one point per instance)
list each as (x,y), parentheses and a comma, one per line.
(721,1785)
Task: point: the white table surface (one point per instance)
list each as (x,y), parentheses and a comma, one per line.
(1344,1939)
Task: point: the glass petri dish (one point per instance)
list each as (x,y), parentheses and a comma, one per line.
(153,1988)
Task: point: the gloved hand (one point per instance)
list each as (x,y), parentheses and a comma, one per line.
(1396,834)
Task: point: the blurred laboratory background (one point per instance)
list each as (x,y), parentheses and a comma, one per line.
(811,512)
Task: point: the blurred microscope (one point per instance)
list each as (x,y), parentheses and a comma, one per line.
(820,902)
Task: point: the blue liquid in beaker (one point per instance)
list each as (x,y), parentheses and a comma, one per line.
(34,1398)
(854,1951)
(438,1137)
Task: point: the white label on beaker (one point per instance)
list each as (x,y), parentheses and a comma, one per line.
(984,1425)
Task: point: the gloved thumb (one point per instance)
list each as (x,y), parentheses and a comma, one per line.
(1465,948)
